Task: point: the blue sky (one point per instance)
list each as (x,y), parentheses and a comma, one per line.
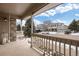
(64,13)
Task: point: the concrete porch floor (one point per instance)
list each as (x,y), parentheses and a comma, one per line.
(20,47)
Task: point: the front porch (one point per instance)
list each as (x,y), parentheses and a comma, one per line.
(20,47)
(38,44)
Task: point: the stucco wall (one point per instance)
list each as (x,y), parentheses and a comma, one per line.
(13,30)
(4,29)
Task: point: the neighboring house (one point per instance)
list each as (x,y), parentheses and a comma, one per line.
(55,27)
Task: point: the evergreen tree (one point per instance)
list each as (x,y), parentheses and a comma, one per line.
(73,26)
(18,27)
(78,26)
(27,29)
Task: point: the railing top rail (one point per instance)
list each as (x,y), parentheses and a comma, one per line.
(63,37)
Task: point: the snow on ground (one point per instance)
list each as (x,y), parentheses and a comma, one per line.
(49,32)
(63,33)
(75,34)
(52,32)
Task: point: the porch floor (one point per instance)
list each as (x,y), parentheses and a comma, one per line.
(20,47)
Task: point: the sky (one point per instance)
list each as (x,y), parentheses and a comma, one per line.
(64,13)
(18,21)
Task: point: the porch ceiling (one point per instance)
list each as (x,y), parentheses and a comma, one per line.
(19,10)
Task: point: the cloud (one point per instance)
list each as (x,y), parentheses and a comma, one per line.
(59,21)
(75,6)
(76,14)
(67,7)
(51,12)
(48,13)
(37,22)
(62,9)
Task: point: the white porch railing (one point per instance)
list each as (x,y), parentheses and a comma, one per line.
(55,45)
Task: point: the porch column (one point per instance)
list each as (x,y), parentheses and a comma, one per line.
(21,30)
(31,29)
(9,30)
(21,25)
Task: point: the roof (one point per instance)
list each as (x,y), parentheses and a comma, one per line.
(21,10)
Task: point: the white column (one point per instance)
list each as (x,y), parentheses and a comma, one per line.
(21,30)
(9,29)
(21,25)
(31,29)
(31,24)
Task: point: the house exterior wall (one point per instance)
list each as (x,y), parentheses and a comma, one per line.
(13,30)
(4,31)
(56,27)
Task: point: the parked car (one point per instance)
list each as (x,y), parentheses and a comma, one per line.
(67,32)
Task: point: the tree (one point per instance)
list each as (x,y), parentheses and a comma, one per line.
(27,28)
(23,27)
(73,26)
(78,26)
(18,27)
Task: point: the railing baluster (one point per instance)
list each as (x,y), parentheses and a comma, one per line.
(38,42)
(52,47)
(55,46)
(35,42)
(64,48)
(31,41)
(59,47)
(44,47)
(42,43)
(46,44)
(49,46)
(70,49)
(76,49)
